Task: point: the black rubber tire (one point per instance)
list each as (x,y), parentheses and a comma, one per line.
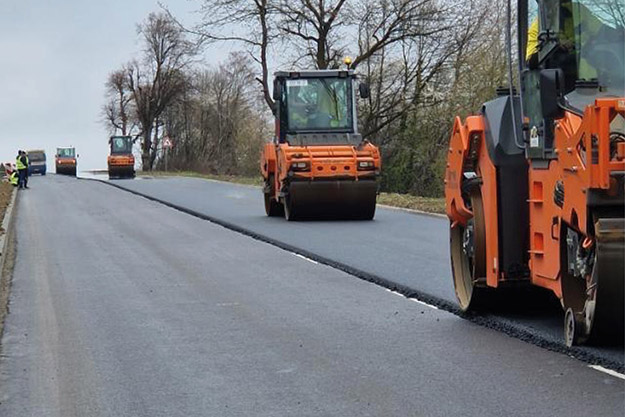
(595,302)
(470,295)
(272,207)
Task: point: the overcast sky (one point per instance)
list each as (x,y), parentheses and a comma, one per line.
(55,58)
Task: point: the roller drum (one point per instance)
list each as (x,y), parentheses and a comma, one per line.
(336,199)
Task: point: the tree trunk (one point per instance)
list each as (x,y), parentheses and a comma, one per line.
(145,150)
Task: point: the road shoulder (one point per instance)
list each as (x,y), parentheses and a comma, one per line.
(7,256)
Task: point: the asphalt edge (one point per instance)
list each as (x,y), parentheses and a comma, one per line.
(385,206)
(487,321)
(5,274)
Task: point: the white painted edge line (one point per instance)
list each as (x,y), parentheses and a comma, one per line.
(305,258)
(412,299)
(424,303)
(607,371)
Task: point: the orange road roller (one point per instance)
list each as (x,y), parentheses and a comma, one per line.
(65,161)
(121,161)
(534,184)
(318,165)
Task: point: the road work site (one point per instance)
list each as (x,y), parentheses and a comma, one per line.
(135,282)
(171,314)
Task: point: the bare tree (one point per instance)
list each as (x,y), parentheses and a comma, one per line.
(247,22)
(425,60)
(158,79)
(611,12)
(312,27)
(418,89)
(318,33)
(219,125)
(117,111)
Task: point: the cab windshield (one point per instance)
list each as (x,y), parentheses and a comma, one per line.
(319,104)
(594,33)
(66,152)
(36,156)
(121,144)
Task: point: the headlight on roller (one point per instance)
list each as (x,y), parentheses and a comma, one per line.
(300,166)
(366,166)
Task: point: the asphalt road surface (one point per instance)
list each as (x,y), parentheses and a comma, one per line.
(399,247)
(123,307)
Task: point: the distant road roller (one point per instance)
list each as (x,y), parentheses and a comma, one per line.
(318,165)
(535,183)
(121,161)
(65,161)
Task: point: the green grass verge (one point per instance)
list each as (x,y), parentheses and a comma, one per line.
(413,202)
(227,178)
(407,201)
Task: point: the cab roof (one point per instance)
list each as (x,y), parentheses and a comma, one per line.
(314,74)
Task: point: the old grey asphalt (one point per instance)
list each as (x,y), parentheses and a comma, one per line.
(400,247)
(124,307)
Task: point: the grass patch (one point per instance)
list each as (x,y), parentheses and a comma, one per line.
(407,201)
(257,180)
(413,202)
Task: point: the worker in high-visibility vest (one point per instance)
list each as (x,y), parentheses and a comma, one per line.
(13,178)
(21,162)
(575,18)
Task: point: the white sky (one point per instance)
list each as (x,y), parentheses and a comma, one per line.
(56,55)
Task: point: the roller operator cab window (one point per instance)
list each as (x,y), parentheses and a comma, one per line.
(121,145)
(66,153)
(319,105)
(592,38)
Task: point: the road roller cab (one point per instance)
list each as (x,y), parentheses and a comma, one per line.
(121,161)
(65,161)
(318,164)
(535,182)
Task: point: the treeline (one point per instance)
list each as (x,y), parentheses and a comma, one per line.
(425,61)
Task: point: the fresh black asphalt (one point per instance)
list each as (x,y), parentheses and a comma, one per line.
(124,307)
(405,251)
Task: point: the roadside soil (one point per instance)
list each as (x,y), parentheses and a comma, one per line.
(6,191)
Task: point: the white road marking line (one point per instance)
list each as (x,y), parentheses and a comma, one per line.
(306,259)
(607,371)
(412,299)
(424,303)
